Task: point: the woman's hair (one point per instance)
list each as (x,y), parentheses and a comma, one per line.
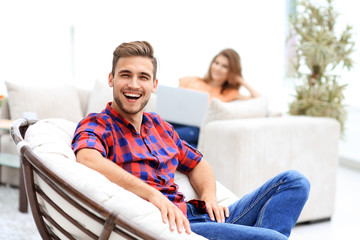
(137,48)
(234,69)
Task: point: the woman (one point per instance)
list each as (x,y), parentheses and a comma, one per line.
(222,81)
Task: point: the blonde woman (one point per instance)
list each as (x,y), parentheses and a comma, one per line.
(222,81)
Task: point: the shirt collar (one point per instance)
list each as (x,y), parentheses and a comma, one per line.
(146,121)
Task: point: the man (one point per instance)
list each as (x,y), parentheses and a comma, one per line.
(141,152)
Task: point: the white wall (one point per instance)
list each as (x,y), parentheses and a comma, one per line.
(34,43)
(349,14)
(348,147)
(36,46)
(186,35)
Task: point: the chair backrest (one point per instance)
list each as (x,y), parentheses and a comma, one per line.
(60,210)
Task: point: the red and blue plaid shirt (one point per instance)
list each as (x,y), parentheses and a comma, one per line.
(152,155)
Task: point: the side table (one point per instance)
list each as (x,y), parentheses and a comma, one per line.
(13,161)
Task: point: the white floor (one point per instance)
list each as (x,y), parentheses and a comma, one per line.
(345,223)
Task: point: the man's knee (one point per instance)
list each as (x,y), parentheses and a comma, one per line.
(298,181)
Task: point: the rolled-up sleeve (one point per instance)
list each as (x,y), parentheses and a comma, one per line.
(189,157)
(89,134)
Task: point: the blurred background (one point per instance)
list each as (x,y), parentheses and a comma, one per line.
(57,42)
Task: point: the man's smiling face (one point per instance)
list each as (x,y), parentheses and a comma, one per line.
(132,85)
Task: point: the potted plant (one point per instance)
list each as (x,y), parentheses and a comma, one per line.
(319,50)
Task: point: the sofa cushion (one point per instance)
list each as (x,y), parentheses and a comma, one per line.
(99,97)
(54,102)
(253,108)
(50,139)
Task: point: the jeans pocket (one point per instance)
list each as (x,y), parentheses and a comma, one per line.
(194,216)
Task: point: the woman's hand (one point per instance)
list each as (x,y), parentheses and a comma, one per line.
(241,80)
(252,91)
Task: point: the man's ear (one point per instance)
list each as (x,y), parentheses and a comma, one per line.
(110,81)
(156,82)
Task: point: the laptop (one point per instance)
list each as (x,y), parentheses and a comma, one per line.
(181,106)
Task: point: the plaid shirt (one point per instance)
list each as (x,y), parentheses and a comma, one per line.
(152,155)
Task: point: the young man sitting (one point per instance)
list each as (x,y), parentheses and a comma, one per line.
(141,152)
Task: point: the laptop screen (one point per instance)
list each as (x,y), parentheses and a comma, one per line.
(181,106)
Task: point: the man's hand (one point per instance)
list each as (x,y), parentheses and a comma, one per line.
(203,180)
(217,212)
(170,212)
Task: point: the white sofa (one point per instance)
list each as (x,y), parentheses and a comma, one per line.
(242,143)
(250,151)
(245,146)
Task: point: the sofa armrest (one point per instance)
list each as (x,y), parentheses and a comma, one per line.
(245,153)
(274,113)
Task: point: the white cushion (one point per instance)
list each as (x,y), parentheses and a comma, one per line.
(151,106)
(224,196)
(253,108)
(50,139)
(99,97)
(55,102)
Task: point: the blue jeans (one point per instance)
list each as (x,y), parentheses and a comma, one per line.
(269,212)
(188,133)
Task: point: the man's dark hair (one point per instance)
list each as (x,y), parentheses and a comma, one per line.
(137,48)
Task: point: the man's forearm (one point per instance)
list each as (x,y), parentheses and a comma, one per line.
(94,160)
(169,212)
(203,180)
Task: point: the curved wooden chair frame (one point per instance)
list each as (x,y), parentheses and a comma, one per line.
(110,221)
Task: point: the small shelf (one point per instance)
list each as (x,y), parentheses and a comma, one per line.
(9,160)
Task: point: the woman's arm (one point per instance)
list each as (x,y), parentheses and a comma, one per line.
(185,82)
(251,90)
(203,180)
(228,95)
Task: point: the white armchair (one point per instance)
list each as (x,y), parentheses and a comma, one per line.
(70,201)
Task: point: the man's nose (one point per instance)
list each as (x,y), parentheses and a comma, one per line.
(134,82)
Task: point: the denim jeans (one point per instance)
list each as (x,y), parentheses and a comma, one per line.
(269,212)
(188,133)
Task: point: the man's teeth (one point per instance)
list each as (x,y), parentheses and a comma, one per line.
(132,95)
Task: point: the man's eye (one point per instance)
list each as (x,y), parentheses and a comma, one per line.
(125,75)
(144,77)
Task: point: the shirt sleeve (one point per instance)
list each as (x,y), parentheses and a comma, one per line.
(90,133)
(189,157)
